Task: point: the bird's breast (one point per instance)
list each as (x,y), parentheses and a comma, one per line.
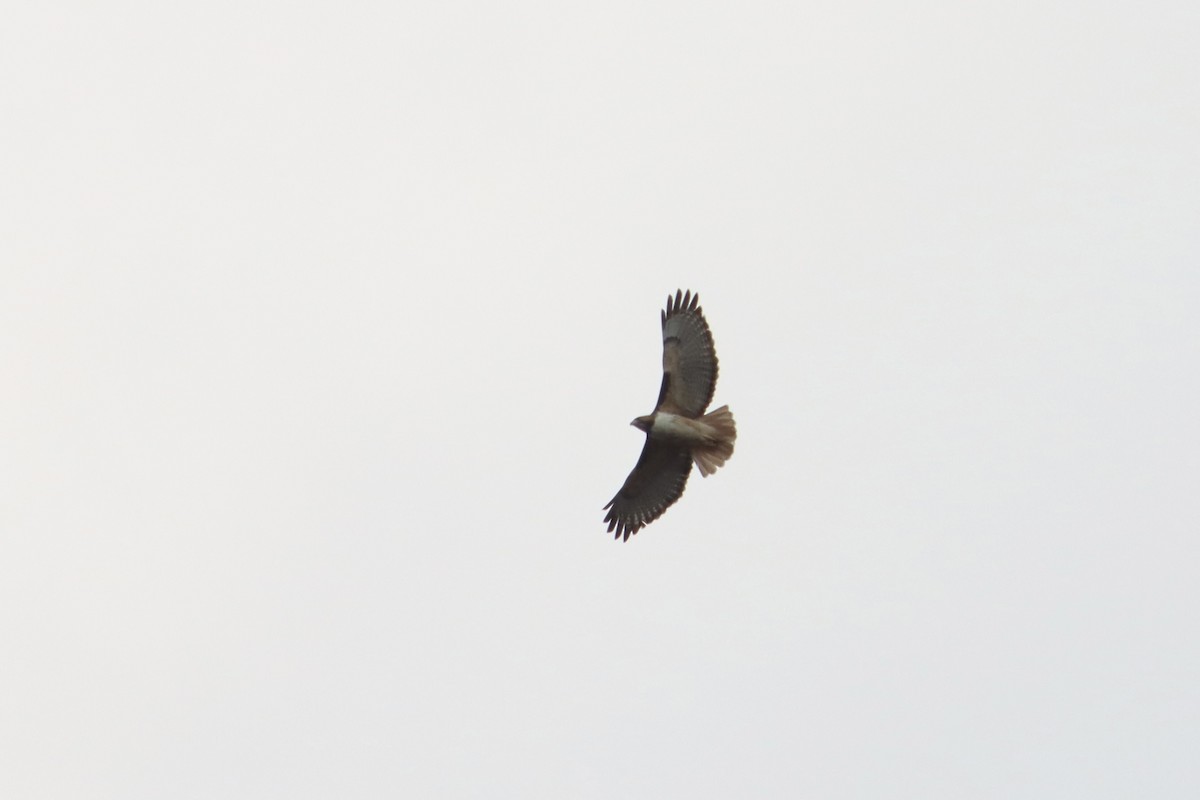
(672,427)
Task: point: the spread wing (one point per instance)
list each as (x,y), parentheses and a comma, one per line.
(656,482)
(689,358)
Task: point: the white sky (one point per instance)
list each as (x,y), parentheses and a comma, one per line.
(321,328)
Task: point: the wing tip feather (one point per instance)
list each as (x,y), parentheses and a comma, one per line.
(680,303)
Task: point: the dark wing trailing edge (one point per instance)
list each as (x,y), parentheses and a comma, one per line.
(656,482)
(689,357)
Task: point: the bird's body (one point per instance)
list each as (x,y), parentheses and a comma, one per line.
(678,432)
(697,434)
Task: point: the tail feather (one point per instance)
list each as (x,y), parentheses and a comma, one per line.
(709,458)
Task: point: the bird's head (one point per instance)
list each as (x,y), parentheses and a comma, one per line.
(644,423)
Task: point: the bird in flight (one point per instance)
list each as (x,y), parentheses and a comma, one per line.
(678,433)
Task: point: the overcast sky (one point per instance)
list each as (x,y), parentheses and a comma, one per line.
(322,325)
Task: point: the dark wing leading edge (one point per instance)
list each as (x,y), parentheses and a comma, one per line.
(656,482)
(689,358)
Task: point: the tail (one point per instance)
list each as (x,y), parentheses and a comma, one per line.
(709,457)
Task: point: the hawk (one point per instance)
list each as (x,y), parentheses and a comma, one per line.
(678,433)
